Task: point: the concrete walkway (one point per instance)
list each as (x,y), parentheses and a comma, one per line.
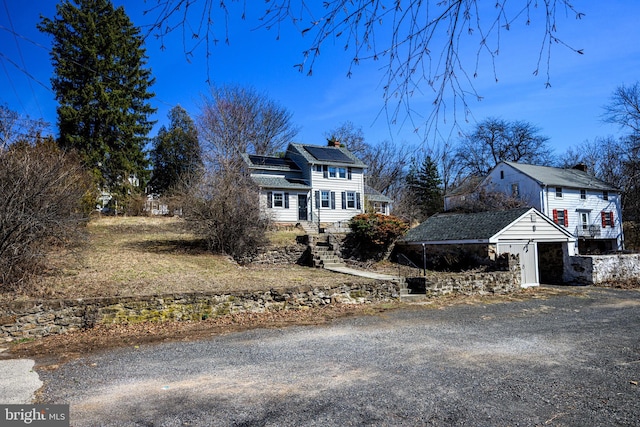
(18,381)
(363,273)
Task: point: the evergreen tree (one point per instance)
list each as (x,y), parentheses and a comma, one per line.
(424,186)
(102,87)
(176,155)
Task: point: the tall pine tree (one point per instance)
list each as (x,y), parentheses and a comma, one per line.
(102,87)
(176,155)
(424,186)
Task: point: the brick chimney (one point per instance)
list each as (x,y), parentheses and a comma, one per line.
(333,142)
(581,167)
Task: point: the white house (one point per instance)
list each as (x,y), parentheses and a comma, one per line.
(589,208)
(319,184)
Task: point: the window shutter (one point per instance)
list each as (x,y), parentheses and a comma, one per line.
(566,218)
(286,200)
(603,214)
(349,172)
(611,218)
(344,200)
(333,200)
(358,205)
(270,199)
(555,216)
(317,199)
(325,171)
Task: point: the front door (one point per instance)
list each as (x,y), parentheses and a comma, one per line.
(302,207)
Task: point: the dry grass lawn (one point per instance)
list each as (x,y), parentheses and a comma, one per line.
(144,256)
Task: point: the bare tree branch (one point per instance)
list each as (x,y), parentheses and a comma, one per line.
(424,44)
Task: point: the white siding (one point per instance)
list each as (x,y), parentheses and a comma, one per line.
(337,186)
(532,227)
(543,198)
(502,179)
(281,214)
(593,205)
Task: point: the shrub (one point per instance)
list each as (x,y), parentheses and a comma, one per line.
(372,234)
(224,209)
(41,208)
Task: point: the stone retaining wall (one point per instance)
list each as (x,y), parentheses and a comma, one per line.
(602,269)
(288,255)
(470,282)
(29,319)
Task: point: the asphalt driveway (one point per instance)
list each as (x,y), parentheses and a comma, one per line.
(570,360)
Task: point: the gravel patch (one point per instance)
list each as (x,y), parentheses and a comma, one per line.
(569,360)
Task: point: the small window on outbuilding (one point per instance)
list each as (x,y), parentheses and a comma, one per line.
(583,194)
(605,195)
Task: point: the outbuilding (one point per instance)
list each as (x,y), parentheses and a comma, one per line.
(542,245)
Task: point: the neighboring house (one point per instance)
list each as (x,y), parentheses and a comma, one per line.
(320,184)
(376,202)
(538,241)
(464,193)
(106,196)
(589,208)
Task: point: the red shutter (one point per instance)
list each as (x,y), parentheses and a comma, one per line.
(555,216)
(604,219)
(611,217)
(566,218)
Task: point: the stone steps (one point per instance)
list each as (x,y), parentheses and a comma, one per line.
(325,256)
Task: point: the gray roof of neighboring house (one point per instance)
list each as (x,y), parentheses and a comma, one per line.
(325,155)
(374,195)
(468,185)
(574,178)
(479,226)
(280,182)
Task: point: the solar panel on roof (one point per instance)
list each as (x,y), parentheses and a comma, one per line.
(327,154)
(271,161)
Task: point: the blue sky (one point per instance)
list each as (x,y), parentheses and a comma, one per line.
(568,112)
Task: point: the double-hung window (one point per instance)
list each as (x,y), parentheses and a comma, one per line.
(607,219)
(515,190)
(561,217)
(332,171)
(278,200)
(558,192)
(351,200)
(325,197)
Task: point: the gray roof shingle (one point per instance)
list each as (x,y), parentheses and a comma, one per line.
(572,178)
(460,227)
(280,182)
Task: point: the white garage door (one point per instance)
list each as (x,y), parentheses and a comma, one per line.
(528,260)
